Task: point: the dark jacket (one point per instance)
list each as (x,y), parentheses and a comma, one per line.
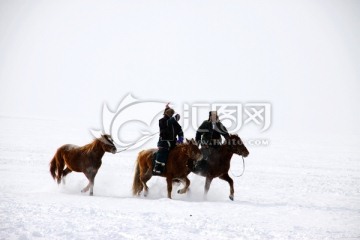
(169,130)
(209,136)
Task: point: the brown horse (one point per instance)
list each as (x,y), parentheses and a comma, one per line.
(181,159)
(86,159)
(216,162)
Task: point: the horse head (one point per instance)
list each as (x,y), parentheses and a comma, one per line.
(236,145)
(108,143)
(192,150)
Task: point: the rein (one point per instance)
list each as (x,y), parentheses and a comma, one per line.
(242,170)
(122,150)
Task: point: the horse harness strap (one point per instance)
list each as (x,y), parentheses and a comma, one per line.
(122,150)
(242,170)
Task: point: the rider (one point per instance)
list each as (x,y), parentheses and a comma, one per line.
(209,133)
(169,129)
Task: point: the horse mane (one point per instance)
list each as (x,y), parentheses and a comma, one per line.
(88,148)
(233,135)
(179,147)
(230,141)
(187,142)
(182,146)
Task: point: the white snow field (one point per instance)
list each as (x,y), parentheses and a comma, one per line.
(65,59)
(304,187)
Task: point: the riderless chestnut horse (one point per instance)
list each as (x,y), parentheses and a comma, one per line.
(217,162)
(86,159)
(181,159)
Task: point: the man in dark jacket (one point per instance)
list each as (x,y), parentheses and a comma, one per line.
(170,129)
(209,133)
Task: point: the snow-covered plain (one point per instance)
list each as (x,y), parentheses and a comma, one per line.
(298,187)
(64,59)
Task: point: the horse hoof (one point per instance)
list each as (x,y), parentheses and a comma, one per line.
(231,198)
(178,191)
(91,194)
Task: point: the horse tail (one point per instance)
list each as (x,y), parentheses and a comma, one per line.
(137,185)
(53,167)
(57,165)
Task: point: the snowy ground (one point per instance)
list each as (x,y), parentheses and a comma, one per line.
(296,188)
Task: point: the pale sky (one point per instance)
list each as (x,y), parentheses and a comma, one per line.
(64,59)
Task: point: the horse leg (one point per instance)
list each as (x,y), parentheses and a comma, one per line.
(169,186)
(186,182)
(90,175)
(227,178)
(64,173)
(85,189)
(92,180)
(60,169)
(207,186)
(146,177)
